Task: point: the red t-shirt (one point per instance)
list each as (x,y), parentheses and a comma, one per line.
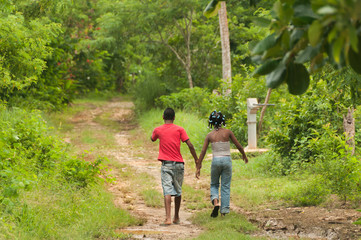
(169,136)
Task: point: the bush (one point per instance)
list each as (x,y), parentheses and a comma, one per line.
(340,170)
(300,120)
(309,193)
(197,100)
(29,153)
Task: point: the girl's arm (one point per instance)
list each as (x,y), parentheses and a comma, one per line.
(239,146)
(201,156)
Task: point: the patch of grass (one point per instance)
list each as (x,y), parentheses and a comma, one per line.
(251,188)
(152,198)
(143,184)
(64,212)
(106,121)
(232,226)
(194,199)
(99,139)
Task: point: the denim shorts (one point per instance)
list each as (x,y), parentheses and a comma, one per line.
(172,174)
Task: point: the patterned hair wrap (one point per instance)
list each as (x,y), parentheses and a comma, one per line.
(216,119)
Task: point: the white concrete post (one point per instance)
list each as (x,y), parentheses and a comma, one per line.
(252,107)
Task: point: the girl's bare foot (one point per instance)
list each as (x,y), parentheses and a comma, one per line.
(176,221)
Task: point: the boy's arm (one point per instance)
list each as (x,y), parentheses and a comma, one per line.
(192,150)
(154,136)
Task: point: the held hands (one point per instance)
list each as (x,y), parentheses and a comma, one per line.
(198,173)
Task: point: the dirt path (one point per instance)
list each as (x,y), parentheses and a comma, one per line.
(126,153)
(283,223)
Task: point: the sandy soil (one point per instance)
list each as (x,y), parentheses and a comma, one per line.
(283,223)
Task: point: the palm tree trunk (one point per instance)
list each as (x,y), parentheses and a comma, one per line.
(226,51)
(349,127)
(263,111)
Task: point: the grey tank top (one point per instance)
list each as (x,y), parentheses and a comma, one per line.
(221,149)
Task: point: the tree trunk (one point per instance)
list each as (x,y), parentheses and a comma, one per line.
(263,111)
(189,76)
(226,51)
(349,127)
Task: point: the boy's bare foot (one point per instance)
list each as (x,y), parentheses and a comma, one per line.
(176,221)
(166,223)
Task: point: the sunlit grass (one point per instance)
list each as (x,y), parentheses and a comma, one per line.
(232,226)
(62,212)
(152,198)
(195,199)
(143,184)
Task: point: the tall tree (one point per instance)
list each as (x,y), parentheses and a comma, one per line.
(214,7)
(171,27)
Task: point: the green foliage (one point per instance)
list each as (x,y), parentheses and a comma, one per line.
(147,88)
(190,99)
(30,154)
(340,170)
(81,173)
(310,192)
(25,49)
(234,107)
(45,192)
(212,8)
(314,32)
(300,121)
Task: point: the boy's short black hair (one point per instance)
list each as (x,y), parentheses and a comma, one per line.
(169,114)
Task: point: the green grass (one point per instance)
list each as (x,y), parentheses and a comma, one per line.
(143,184)
(195,199)
(232,226)
(152,198)
(63,212)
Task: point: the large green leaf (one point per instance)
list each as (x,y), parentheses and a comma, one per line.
(212,8)
(354,58)
(277,77)
(307,54)
(267,67)
(296,35)
(303,14)
(314,32)
(261,21)
(297,78)
(265,44)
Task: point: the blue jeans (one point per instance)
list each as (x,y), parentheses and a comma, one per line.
(221,169)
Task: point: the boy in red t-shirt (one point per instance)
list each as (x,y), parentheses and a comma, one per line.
(172,170)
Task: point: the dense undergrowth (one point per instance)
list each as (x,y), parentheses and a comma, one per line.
(46,193)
